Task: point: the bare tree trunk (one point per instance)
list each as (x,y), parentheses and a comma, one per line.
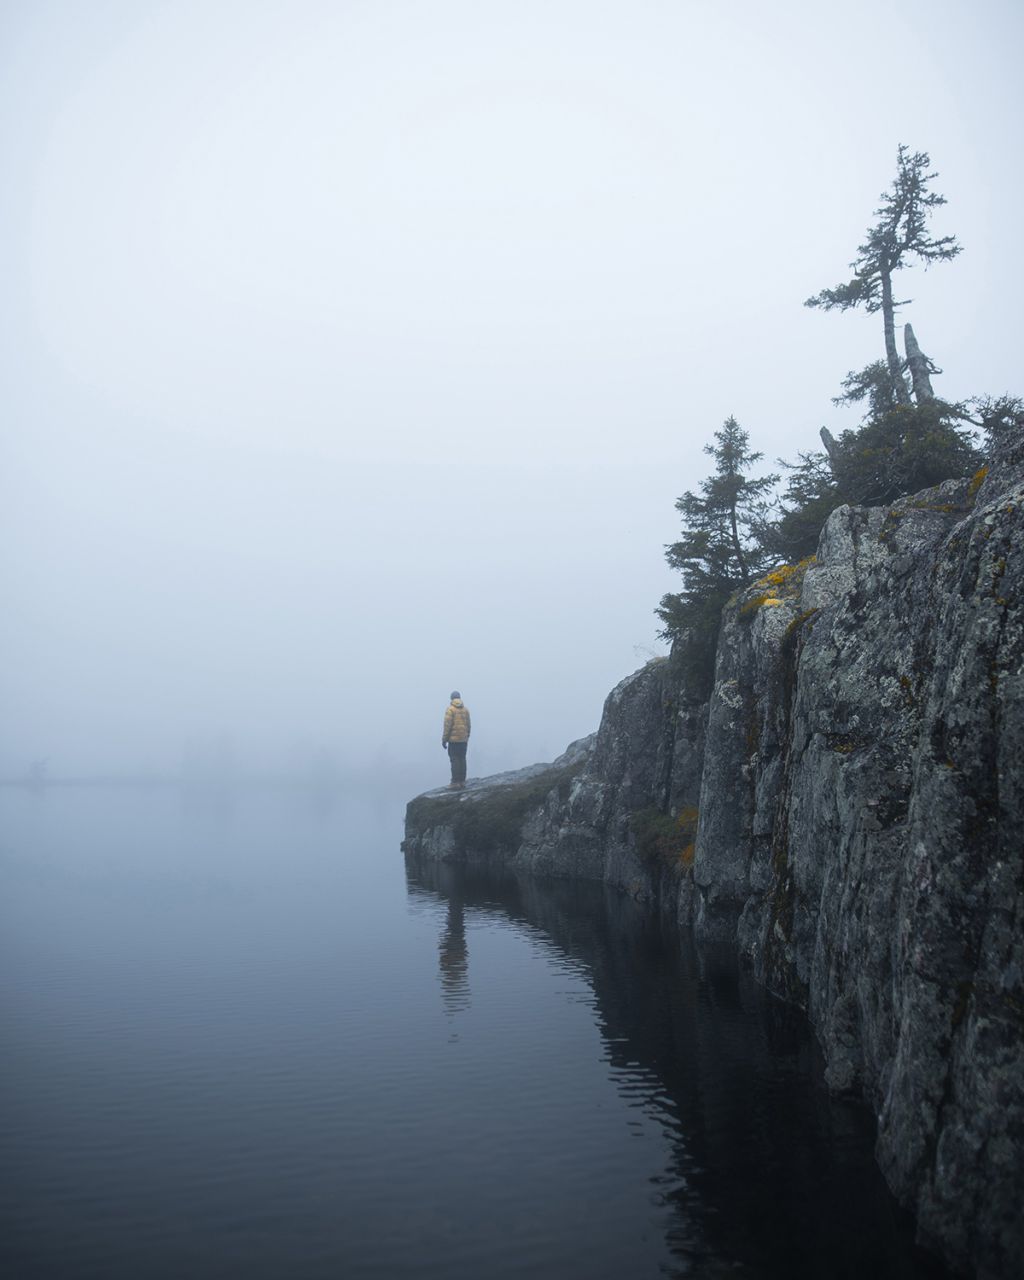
(737,548)
(891,354)
(919,368)
(829,441)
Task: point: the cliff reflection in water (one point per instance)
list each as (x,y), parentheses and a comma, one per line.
(770,1176)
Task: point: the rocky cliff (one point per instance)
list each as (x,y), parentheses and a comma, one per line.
(848,810)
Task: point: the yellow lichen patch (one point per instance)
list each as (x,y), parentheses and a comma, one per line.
(977,480)
(756,602)
(686,857)
(781,583)
(788,576)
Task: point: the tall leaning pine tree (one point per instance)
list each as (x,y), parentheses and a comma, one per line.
(898,237)
(720,548)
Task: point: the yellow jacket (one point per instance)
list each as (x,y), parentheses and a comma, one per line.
(456,722)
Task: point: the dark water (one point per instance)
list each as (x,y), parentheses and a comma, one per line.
(241,1038)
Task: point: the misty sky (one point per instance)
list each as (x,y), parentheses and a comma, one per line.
(353,352)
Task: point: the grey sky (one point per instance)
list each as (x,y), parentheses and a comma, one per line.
(355,351)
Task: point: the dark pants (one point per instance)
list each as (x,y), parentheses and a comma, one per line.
(457,755)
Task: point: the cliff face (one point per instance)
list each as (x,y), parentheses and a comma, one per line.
(577,816)
(860,834)
(861,837)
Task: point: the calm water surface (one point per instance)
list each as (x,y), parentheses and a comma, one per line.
(243,1038)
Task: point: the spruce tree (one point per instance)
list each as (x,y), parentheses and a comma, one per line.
(721,549)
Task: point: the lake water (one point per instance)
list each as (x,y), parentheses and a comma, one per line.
(243,1039)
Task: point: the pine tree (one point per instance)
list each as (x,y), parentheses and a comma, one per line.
(721,548)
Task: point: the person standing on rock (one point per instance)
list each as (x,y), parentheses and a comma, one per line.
(455,739)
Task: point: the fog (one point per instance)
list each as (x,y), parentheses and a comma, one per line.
(356,352)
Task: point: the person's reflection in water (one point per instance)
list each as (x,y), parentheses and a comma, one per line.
(454,961)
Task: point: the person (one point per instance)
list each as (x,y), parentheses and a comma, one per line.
(455,739)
